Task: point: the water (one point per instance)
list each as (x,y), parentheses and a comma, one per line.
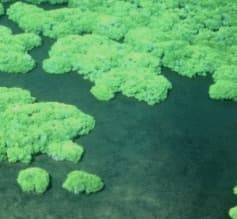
(176,160)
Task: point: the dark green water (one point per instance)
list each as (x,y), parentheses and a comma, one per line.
(176,160)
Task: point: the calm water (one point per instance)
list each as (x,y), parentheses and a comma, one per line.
(176,160)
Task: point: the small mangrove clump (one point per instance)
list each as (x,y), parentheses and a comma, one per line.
(233,213)
(225,83)
(13,51)
(33,179)
(66,150)
(79,181)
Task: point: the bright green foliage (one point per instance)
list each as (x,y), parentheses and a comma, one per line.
(79,181)
(19,13)
(233,212)
(96,61)
(85,4)
(140,83)
(150,88)
(30,128)
(66,150)
(110,26)
(52,23)
(225,86)
(145,39)
(235,190)
(190,60)
(111,66)
(90,55)
(33,179)
(223,90)
(61,22)
(10,97)
(131,60)
(40,1)
(127,12)
(226,72)
(102,92)
(13,96)
(13,51)
(190,37)
(23,154)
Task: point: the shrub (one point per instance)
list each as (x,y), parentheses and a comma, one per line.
(226,72)
(150,88)
(16,153)
(33,179)
(233,212)
(79,181)
(30,128)
(13,51)
(66,150)
(223,89)
(40,1)
(13,96)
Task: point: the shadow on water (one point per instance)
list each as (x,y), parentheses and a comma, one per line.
(176,160)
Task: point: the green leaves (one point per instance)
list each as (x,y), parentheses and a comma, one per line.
(33,179)
(66,150)
(29,128)
(225,83)
(79,181)
(191,38)
(13,51)
(113,67)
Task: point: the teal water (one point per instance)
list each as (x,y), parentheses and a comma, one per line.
(176,160)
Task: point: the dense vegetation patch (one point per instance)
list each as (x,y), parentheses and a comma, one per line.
(112,66)
(13,51)
(33,179)
(191,38)
(78,181)
(29,128)
(37,2)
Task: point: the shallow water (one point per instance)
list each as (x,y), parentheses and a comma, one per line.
(176,160)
